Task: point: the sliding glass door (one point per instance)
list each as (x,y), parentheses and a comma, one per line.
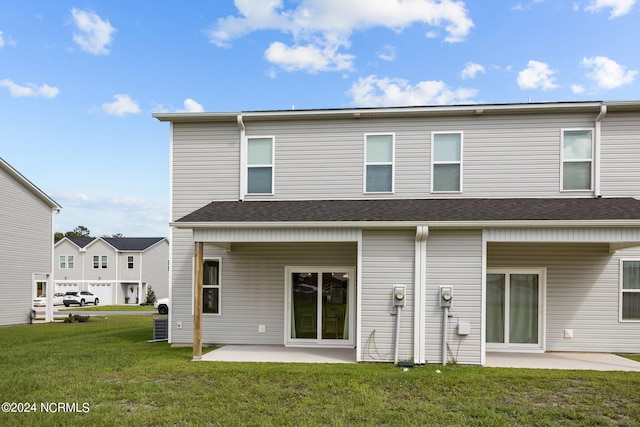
(514,309)
(320,306)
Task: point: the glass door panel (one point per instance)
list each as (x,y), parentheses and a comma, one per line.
(304,305)
(513,307)
(319,306)
(335,292)
(495,307)
(523,309)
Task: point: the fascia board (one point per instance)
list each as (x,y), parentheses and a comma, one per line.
(411,224)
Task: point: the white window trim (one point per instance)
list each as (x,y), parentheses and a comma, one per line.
(132,263)
(104,261)
(353,328)
(193,282)
(562,160)
(621,291)
(72,262)
(93,262)
(62,262)
(460,162)
(542,313)
(392,163)
(272,165)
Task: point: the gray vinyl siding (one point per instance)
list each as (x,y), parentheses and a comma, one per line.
(124,273)
(155,268)
(252,288)
(25,247)
(582,293)
(454,258)
(206,165)
(99,248)
(503,156)
(67,248)
(620,155)
(387,260)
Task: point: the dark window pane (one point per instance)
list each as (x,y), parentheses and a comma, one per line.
(379,178)
(259,180)
(210,300)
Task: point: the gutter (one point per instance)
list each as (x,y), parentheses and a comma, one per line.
(596,151)
(409,224)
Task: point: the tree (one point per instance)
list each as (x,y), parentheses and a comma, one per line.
(115,236)
(79,231)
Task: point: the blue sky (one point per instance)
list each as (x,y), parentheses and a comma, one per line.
(79,80)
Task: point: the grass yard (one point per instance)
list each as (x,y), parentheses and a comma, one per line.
(107,373)
(128,307)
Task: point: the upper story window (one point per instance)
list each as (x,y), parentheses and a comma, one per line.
(211,286)
(379,156)
(100,261)
(260,165)
(577,159)
(66,261)
(630,289)
(130,262)
(446,162)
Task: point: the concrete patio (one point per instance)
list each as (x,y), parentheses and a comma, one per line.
(552,360)
(560,360)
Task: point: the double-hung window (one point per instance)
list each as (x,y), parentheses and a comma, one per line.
(446,162)
(577,159)
(100,261)
(379,156)
(66,261)
(260,165)
(630,290)
(130,262)
(211,286)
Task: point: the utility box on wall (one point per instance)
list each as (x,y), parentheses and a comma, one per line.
(446,296)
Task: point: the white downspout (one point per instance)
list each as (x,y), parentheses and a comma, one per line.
(419,318)
(596,152)
(243,159)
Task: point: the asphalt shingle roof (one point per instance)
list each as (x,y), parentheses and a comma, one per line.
(418,210)
(120,243)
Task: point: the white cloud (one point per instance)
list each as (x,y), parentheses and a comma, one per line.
(537,75)
(372,91)
(191,106)
(471,70)
(607,73)
(94,34)
(320,28)
(618,7)
(30,90)
(107,215)
(577,89)
(122,105)
(388,53)
(311,58)
(1,40)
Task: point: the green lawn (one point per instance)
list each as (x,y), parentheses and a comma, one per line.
(128,307)
(108,371)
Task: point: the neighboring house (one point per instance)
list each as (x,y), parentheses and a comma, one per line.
(26,245)
(312,221)
(116,270)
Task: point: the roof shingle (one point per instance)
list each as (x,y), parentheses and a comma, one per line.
(517,209)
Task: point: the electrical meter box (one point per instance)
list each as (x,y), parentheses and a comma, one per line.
(399,296)
(446,296)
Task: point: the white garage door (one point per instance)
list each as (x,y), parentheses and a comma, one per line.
(67,287)
(102,291)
